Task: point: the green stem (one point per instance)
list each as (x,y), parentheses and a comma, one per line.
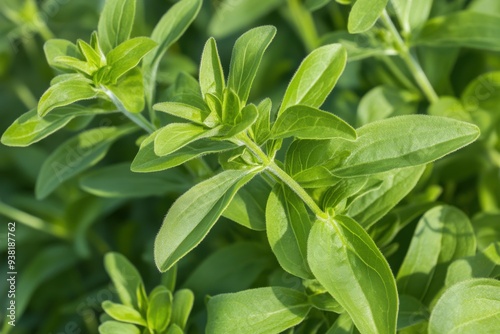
(34,222)
(44,30)
(412,63)
(136,118)
(282,175)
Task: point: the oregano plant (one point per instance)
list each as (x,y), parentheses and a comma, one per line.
(347,171)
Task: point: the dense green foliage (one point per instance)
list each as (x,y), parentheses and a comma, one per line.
(319,166)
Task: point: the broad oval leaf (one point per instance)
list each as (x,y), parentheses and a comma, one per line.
(125,277)
(192,216)
(127,55)
(123,313)
(115,327)
(268,310)
(76,155)
(128,91)
(317,75)
(177,135)
(288,225)
(246,57)
(159,309)
(472,306)
(443,234)
(64,93)
(412,14)
(346,261)
(364,14)
(55,48)
(306,122)
(382,146)
(115,23)
(182,110)
(461,29)
(181,307)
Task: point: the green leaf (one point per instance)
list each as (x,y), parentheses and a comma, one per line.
(174,329)
(127,55)
(412,14)
(337,195)
(182,110)
(471,306)
(181,307)
(30,128)
(343,325)
(123,313)
(382,146)
(358,46)
(249,205)
(486,229)
(486,263)
(192,216)
(169,29)
(76,155)
(245,60)
(230,269)
(261,129)
(443,234)
(75,64)
(243,121)
(211,74)
(461,29)
(411,312)
(159,309)
(364,14)
(115,23)
(314,5)
(125,277)
(146,161)
(288,225)
(361,281)
(317,75)
(91,55)
(129,91)
(114,327)
(383,102)
(118,181)
(257,311)
(55,48)
(177,135)
(64,93)
(310,123)
(396,184)
(231,17)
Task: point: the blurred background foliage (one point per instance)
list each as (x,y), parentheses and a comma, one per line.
(61,240)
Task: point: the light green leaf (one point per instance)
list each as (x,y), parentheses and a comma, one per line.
(127,55)
(261,129)
(461,29)
(471,306)
(55,48)
(231,106)
(383,102)
(486,263)
(169,29)
(177,135)
(91,55)
(125,277)
(245,60)
(146,161)
(211,74)
(317,75)
(123,313)
(230,269)
(231,16)
(118,181)
(129,91)
(75,64)
(310,123)
(182,110)
(412,14)
(65,93)
(396,184)
(159,309)
(115,327)
(382,146)
(181,307)
(288,225)
(346,261)
(174,329)
(30,128)
(192,216)
(76,155)
(336,196)
(257,311)
(443,234)
(243,121)
(249,205)
(364,14)
(115,23)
